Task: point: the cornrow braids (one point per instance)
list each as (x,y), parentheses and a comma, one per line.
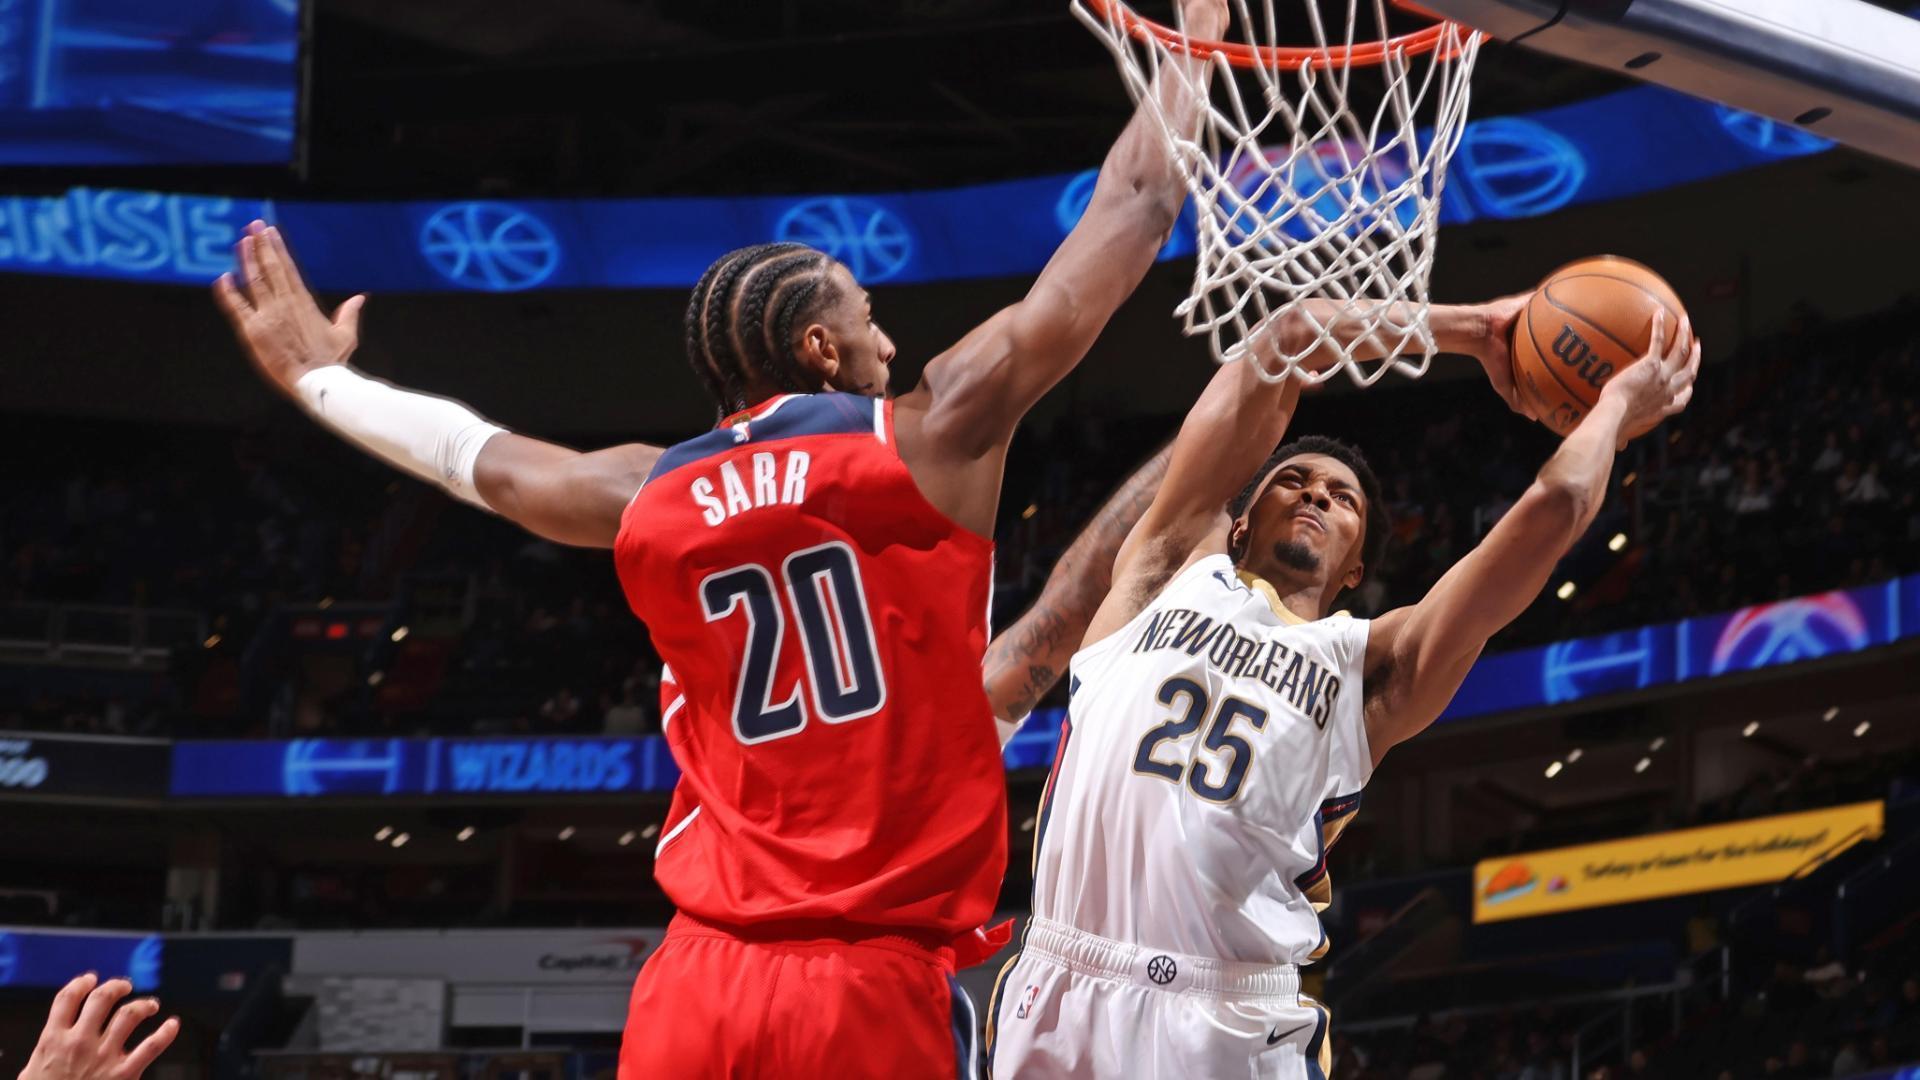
(716,331)
(742,313)
(770,351)
(695,323)
(808,295)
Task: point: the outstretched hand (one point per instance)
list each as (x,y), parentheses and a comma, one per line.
(1495,348)
(283,331)
(1205,19)
(86,1036)
(1658,384)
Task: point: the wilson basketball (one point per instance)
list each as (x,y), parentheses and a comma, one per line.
(1585,322)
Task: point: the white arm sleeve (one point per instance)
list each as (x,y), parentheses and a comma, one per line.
(433,438)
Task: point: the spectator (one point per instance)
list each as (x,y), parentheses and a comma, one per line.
(626,718)
(1799,1064)
(1752,496)
(559,711)
(1849,1060)
(1827,977)
(1868,488)
(1716,472)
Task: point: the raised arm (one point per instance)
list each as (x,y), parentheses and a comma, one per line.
(975,393)
(1027,658)
(549,490)
(85,1037)
(1417,656)
(1237,422)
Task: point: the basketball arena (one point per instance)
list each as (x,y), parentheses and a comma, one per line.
(839,539)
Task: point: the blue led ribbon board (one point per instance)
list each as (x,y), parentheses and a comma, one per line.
(1579,669)
(135,82)
(1507,167)
(49,958)
(384,768)
(1708,646)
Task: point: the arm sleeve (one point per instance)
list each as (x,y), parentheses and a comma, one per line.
(434,438)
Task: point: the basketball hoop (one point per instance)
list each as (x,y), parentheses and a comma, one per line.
(1329,187)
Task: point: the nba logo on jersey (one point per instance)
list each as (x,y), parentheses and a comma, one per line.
(1026,1002)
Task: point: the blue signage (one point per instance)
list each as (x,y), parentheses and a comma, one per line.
(133,82)
(378,768)
(1634,141)
(1752,638)
(50,958)
(1705,647)
(494,247)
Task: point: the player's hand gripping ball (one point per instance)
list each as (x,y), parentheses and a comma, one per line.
(1586,321)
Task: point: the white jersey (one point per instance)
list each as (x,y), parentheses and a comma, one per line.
(1215,747)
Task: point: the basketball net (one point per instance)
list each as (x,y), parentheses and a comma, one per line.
(1299,189)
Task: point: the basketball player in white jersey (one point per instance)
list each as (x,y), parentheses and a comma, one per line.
(1223,721)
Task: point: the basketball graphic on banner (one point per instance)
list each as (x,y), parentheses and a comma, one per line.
(869,238)
(491,247)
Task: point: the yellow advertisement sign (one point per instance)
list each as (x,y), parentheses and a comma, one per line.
(1637,868)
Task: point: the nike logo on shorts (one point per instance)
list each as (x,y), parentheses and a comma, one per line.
(1279,1035)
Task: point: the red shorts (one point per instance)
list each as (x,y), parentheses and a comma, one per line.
(710,1003)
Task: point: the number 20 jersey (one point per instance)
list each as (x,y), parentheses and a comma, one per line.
(1215,748)
(823,626)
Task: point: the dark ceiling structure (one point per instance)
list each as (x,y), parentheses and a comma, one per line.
(641,97)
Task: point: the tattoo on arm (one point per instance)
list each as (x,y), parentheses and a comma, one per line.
(1023,663)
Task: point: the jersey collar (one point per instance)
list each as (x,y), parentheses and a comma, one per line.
(739,421)
(1271,595)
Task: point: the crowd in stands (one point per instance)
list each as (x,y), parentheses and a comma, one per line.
(1808,1022)
(1795,1030)
(1794,471)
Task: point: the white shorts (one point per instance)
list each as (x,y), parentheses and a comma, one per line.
(1072,1004)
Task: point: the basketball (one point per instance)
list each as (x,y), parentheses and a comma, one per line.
(1585,322)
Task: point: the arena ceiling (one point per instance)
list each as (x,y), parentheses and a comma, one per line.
(649,97)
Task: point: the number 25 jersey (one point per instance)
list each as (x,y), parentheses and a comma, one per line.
(1216,746)
(823,626)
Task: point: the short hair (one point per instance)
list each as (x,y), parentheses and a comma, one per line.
(1379,523)
(741,317)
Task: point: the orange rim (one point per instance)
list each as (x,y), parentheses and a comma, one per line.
(1286,57)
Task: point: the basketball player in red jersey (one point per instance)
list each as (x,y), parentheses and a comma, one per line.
(816,573)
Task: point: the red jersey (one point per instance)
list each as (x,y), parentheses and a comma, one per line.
(823,628)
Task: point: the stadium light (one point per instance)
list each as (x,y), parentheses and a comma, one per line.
(1832,711)
(1862,728)
(385,831)
(1658,742)
(464,835)
(400,841)
(626,838)
(1027,825)
(1643,765)
(1565,591)
(1575,754)
(1619,541)
(399,634)
(212,640)
(376,678)
(1752,726)
(1032,509)
(1553,770)
(650,831)
(567,833)
(1627,480)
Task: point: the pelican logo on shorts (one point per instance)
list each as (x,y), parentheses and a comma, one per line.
(1574,352)
(1026,1002)
(1162,969)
